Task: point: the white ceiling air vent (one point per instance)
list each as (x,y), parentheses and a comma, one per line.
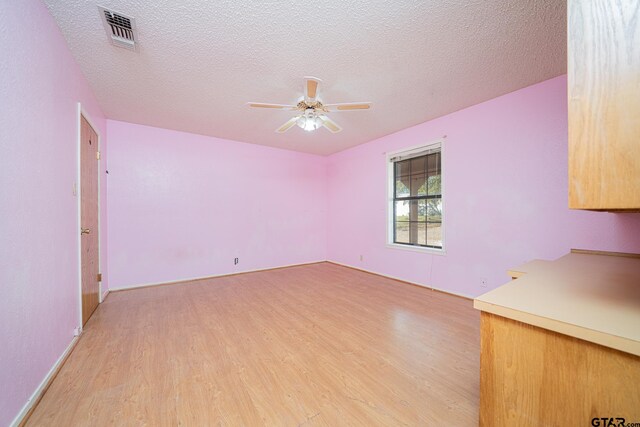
(121,29)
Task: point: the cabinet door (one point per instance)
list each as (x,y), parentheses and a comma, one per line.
(604,104)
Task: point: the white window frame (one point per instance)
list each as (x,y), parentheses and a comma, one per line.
(390,187)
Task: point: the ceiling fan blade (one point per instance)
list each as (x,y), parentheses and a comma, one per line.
(330,124)
(288,125)
(311,88)
(347,106)
(273,106)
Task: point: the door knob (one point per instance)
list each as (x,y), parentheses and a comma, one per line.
(85,231)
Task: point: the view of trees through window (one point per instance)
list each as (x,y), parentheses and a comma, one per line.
(417,201)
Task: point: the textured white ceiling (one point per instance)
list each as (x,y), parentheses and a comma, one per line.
(199,62)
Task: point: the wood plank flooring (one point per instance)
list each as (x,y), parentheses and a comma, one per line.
(314,345)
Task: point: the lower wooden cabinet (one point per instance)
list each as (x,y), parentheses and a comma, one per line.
(530,376)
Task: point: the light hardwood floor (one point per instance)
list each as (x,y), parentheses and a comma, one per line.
(312,345)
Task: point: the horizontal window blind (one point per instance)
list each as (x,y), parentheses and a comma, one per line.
(411,154)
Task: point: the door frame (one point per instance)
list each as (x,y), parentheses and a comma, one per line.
(78,189)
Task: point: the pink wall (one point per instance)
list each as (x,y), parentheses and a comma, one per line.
(184,206)
(40,84)
(505,202)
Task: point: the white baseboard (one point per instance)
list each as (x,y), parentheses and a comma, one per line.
(404,280)
(172,282)
(144,285)
(104,295)
(37,394)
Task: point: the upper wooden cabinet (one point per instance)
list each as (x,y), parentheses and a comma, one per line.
(604,104)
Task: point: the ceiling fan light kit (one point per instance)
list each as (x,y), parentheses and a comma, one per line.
(309,121)
(311,111)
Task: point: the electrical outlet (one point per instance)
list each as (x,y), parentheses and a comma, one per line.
(483,282)
(77,331)
(235,261)
(361,258)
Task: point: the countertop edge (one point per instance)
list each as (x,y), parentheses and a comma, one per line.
(607,340)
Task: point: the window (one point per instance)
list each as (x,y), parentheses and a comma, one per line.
(416,197)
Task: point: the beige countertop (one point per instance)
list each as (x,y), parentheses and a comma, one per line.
(592,297)
(527,267)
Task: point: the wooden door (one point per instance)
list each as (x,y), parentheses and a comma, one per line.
(89,218)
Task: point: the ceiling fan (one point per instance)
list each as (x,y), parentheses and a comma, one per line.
(311,112)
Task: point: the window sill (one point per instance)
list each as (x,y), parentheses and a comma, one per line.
(423,250)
